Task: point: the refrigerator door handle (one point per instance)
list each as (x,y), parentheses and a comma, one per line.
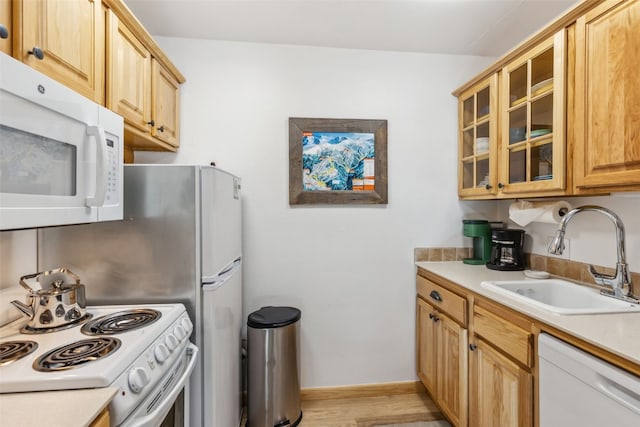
(210,283)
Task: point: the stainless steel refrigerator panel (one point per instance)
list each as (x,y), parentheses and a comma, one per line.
(222,324)
(220,218)
(175,216)
(151,256)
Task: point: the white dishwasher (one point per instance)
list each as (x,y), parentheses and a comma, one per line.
(578,389)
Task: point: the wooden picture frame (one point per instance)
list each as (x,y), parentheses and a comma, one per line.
(337,161)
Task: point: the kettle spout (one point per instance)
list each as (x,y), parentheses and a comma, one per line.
(24,308)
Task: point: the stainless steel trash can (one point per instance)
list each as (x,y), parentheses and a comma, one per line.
(273,386)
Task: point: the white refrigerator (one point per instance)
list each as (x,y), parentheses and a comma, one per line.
(179,241)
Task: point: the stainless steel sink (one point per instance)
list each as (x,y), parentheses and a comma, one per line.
(560,296)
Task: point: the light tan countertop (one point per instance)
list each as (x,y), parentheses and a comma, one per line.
(618,334)
(70,408)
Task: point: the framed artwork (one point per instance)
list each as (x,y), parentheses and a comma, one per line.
(337,161)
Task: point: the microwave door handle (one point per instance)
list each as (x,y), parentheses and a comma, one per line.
(101,166)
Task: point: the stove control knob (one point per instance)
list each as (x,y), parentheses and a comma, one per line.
(180,332)
(186,323)
(171,341)
(162,353)
(138,379)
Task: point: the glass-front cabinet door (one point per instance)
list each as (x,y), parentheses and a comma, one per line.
(478,140)
(532,153)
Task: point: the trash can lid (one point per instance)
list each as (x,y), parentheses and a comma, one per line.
(273,317)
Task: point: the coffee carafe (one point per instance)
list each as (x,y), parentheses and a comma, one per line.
(506,250)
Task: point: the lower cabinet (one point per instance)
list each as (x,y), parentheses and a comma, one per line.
(482,380)
(451,392)
(442,355)
(500,391)
(102,420)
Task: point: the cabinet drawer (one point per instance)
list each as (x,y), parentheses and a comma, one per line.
(442,299)
(511,339)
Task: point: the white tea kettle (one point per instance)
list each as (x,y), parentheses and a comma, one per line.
(60,301)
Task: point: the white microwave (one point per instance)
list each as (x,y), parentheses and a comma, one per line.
(61,154)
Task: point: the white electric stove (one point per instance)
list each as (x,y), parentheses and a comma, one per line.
(142,350)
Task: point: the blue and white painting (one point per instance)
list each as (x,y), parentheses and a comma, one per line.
(334,161)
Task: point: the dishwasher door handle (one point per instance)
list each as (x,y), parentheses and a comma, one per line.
(619,393)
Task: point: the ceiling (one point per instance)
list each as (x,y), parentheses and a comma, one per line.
(461,27)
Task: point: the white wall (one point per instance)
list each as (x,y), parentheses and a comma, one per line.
(348,268)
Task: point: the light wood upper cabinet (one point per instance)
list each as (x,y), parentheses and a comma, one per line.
(501,391)
(6,20)
(99,49)
(129,83)
(478,140)
(64,40)
(511,137)
(607,98)
(142,90)
(568,110)
(532,106)
(165,104)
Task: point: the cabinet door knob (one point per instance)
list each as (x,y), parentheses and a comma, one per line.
(436,319)
(431,316)
(500,185)
(472,347)
(161,129)
(37,52)
(435,295)
(4,33)
(152,123)
(488,187)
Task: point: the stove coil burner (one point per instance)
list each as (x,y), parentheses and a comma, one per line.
(76,354)
(122,321)
(26,329)
(11,351)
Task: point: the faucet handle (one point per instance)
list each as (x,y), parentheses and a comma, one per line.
(601,279)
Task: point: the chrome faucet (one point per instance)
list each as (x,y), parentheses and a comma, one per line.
(620,283)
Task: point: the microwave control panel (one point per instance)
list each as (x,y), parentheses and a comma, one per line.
(112,172)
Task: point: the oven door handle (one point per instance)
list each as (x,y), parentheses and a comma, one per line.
(155,417)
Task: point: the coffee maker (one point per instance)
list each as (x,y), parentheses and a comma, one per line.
(506,250)
(480,231)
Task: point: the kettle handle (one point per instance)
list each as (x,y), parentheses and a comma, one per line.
(46,273)
(24,284)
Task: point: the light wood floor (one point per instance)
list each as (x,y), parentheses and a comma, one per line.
(369,411)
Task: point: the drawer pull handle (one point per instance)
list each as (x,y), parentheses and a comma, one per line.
(436,296)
